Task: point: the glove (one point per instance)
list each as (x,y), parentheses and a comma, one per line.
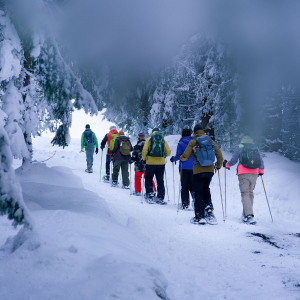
(216,168)
(130,161)
(172,160)
(144,162)
(225,164)
(102,148)
(96,151)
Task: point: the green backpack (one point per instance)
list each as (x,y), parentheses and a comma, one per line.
(125,147)
(157,145)
(112,141)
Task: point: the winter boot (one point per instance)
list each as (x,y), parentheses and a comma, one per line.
(209,216)
(150,198)
(136,193)
(114,183)
(125,186)
(105,178)
(249,220)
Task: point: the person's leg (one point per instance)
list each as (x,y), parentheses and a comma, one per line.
(159,174)
(206,189)
(108,159)
(184,188)
(252,180)
(89,156)
(150,169)
(244,184)
(198,184)
(116,168)
(138,181)
(125,173)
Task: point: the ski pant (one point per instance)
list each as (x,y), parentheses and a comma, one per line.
(247,184)
(138,182)
(108,160)
(186,186)
(123,164)
(202,192)
(89,151)
(158,171)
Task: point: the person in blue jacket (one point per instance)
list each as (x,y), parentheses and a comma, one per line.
(187,168)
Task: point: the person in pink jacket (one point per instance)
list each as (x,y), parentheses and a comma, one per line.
(250,166)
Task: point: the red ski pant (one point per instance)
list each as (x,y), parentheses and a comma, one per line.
(138,182)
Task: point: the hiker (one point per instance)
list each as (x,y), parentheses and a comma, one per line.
(204,150)
(154,152)
(139,169)
(250,166)
(110,139)
(185,168)
(121,157)
(89,142)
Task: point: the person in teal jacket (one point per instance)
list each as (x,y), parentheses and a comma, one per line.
(89,142)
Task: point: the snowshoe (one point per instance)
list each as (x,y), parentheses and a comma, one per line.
(114,184)
(161,201)
(198,221)
(210,217)
(136,194)
(125,186)
(89,170)
(184,207)
(150,198)
(249,220)
(105,178)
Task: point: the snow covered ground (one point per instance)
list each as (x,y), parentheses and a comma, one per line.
(91,241)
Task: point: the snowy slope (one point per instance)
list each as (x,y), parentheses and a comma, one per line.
(84,247)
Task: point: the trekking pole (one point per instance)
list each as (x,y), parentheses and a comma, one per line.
(130,179)
(143,186)
(225,197)
(167,185)
(267,198)
(179,194)
(221,195)
(101,166)
(174,184)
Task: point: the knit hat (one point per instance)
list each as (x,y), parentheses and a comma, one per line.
(186,127)
(87,126)
(121,132)
(141,136)
(155,129)
(112,127)
(241,137)
(198,127)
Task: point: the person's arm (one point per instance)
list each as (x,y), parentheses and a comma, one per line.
(104,142)
(167,149)
(188,151)
(146,149)
(235,157)
(178,153)
(134,155)
(82,141)
(219,156)
(96,141)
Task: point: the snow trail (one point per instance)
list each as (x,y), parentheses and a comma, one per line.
(212,262)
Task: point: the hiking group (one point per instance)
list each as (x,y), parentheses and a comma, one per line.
(196,155)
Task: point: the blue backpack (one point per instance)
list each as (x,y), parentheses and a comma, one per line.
(89,137)
(204,151)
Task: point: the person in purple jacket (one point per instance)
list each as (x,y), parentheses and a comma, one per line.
(187,168)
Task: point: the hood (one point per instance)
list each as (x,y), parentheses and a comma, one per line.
(186,139)
(198,133)
(123,137)
(114,131)
(246,140)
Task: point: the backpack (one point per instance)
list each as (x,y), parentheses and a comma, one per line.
(250,157)
(157,145)
(125,147)
(204,151)
(112,141)
(89,138)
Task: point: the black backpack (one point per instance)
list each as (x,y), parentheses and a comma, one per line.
(89,137)
(157,145)
(250,157)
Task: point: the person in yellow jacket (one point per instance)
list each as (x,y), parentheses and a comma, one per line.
(155,150)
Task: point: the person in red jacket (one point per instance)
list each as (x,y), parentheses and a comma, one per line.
(247,174)
(109,138)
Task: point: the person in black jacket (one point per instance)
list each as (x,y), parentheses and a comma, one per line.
(121,157)
(139,165)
